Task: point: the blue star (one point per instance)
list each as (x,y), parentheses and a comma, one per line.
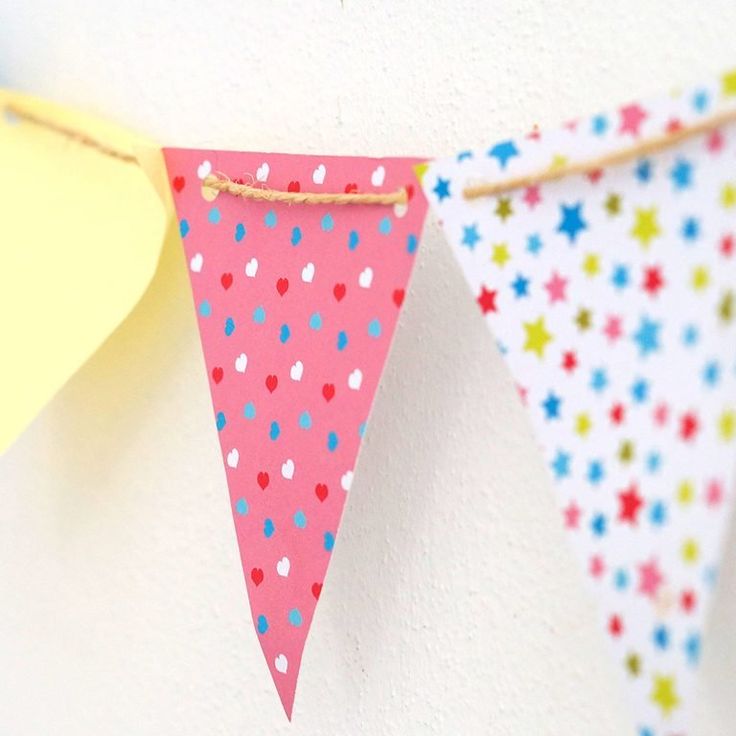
(520,285)
(620,276)
(690,228)
(710,575)
(640,391)
(643,170)
(534,244)
(644,731)
(701,100)
(621,579)
(561,465)
(596,472)
(503,151)
(598,379)
(647,336)
(692,649)
(598,525)
(661,637)
(599,124)
(551,406)
(658,513)
(711,373)
(442,188)
(470,235)
(682,174)
(464,156)
(653,461)
(572,220)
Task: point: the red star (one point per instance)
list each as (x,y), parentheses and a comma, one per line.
(661,414)
(487,300)
(532,196)
(714,493)
(632,116)
(688,426)
(572,515)
(630,505)
(688,601)
(617,413)
(727,246)
(650,578)
(653,280)
(613,329)
(595,175)
(715,141)
(597,566)
(569,361)
(615,626)
(674,125)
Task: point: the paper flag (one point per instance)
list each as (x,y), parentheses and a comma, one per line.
(296,307)
(80,234)
(611,296)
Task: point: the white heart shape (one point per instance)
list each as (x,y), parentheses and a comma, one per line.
(204,169)
(241,363)
(281,664)
(347,480)
(251,268)
(378,175)
(308,273)
(262,172)
(296,371)
(196,262)
(355,379)
(283,566)
(287,469)
(366,277)
(232,458)
(318,175)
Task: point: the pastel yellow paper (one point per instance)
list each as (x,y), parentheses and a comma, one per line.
(80,238)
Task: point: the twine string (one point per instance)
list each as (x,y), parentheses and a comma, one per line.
(644,147)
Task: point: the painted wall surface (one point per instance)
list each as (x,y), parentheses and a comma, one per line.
(122,604)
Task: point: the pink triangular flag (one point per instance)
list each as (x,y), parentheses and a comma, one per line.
(296,304)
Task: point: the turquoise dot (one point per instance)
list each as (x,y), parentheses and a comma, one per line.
(229,326)
(268,528)
(239,232)
(249,410)
(205,308)
(295,617)
(329,541)
(300,520)
(353,240)
(361,429)
(220,421)
(214,216)
(275,431)
(327,222)
(342,340)
(305,420)
(374,328)
(259,315)
(296,236)
(270,219)
(315,321)
(411,243)
(384,227)
(183,228)
(262,624)
(241,506)
(284,334)
(332,441)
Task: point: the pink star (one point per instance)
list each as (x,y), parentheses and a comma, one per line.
(661,414)
(715,141)
(556,288)
(522,391)
(597,566)
(632,116)
(572,515)
(532,196)
(650,578)
(613,329)
(534,134)
(714,493)
(595,176)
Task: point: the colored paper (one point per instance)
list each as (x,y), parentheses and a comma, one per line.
(80,234)
(611,296)
(296,306)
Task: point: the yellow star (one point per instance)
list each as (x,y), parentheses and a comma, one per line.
(583,424)
(633,664)
(646,227)
(613,204)
(664,694)
(728,196)
(537,337)
(591,264)
(503,208)
(729,83)
(500,254)
(727,425)
(700,278)
(690,551)
(583,319)
(725,307)
(686,492)
(626,451)
(558,162)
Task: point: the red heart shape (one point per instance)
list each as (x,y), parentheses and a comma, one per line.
(316,590)
(226,280)
(179,182)
(339,291)
(328,391)
(271,382)
(409,191)
(263,480)
(351,188)
(398,297)
(256,575)
(293,186)
(282,286)
(321,491)
(217,374)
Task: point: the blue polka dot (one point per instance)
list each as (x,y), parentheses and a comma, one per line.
(270,219)
(296,236)
(268,528)
(384,227)
(411,243)
(295,617)
(183,228)
(332,441)
(205,309)
(329,541)
(342,340)
(275,431)
(315,321)
(229,326)
(262,624)
(259,315)
(374,328)
(327,222)
(305,420)
(220,421)
(249,410)
(241,506)
(214,216)
(353,240)
(300,520)
(239,232)
(361,429)
(284,334)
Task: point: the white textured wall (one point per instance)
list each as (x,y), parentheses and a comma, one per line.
(452,605)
